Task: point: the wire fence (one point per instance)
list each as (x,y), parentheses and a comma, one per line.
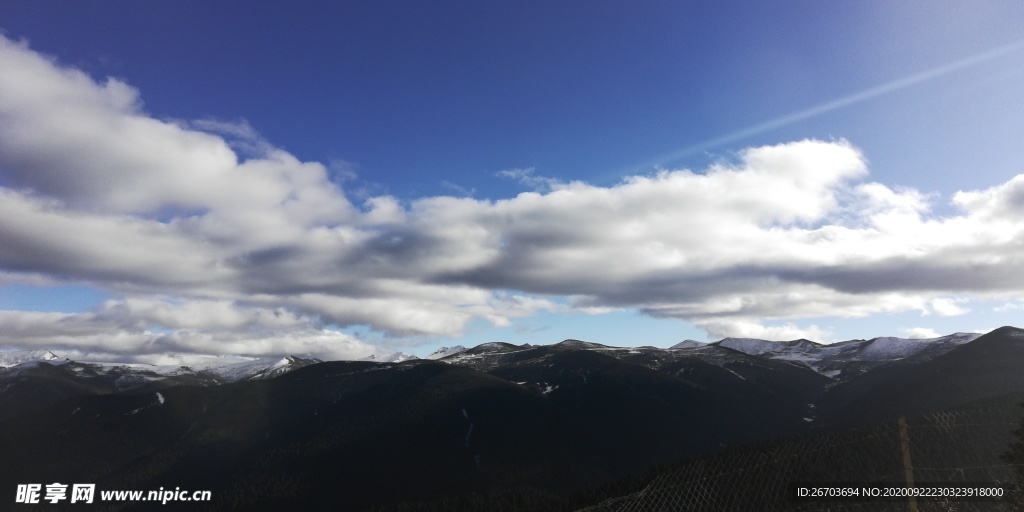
(949,447)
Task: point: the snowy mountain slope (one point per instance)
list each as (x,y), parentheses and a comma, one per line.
(33,379)
(227,369)
(950,371)
(445,352)
(834,361)
(8,359)
(889,348)
(854,357)
(860,355)
(214,371)
(258,369)
(394,357)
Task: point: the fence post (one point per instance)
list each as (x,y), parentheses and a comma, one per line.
(908,468)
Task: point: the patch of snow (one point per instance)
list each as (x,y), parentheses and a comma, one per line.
(136,410)
(160,398)
(734,373)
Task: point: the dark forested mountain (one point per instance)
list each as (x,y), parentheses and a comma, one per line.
(525,427)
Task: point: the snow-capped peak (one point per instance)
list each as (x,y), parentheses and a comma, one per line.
(446,351)
(8,359)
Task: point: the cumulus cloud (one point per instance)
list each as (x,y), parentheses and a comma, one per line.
(156,327)
(218,242)
(1003,202)
(948,307)
(1009,306)
(743,328)
(921,333)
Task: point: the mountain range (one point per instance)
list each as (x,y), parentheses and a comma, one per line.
(30,380)
(524,427)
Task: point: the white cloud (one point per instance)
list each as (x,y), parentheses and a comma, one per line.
(224,252)
(948,307)
(528,177)
(239,135)
(742,328)
(1009,306)
(151,327)
(921,333)
(1002,202)
(458,189)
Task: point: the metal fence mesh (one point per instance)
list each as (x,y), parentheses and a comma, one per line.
(956,446)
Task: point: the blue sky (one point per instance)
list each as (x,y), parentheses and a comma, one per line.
(340,178)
